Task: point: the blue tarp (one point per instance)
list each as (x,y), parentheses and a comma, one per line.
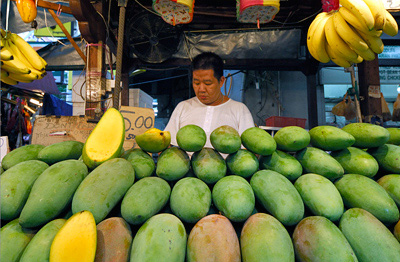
(52,105)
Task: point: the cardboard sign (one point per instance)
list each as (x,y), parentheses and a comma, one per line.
(137,121)
(3,147)
(49,130)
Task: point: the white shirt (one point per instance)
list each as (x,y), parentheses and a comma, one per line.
(192,111)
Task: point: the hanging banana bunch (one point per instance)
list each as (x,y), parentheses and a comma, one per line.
(351,33)
(19,61)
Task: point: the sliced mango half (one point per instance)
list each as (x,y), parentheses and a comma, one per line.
(106,140)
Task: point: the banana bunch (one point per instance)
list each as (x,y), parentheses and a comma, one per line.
(350,34)
(19,61)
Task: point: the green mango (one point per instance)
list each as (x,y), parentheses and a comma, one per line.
(61,151)
(283,163)
(264,238)
(52,192)
(161,238)
(370,239)
(144,199)
(391,183)
(320,195)
(278,196)
(173,164)
(208,165)
(103,188)
(141,161)
(234,198)
(190,199)
(394,136)
(363,192)
(316,238)
(330,138)
(258,141)
(21,154)
(242,163)
(317,161)
(225,139)
(356,161)
(292,138)
(388,158)
(191,138)
(16,184)
(14,239)
(367,135)
(38,249)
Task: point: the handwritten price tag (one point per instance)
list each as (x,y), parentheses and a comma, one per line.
(3,146)
(52,129)
(137,121)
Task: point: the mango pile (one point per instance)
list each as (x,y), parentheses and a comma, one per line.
(326,194)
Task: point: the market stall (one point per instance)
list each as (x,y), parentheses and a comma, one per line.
(109,185)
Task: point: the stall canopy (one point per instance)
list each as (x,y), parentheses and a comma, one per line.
(258,44)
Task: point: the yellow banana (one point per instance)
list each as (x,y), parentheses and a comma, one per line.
(336,58)
(310,31)
(15,66)
(367,55)
(337,43)
(25,78)
(375,43)
(1,42)
(28,51)
(6,79)
(360,10)
(348,34)
(358,60)
(6,55)
(40,74)
(378,12)
(356,23)
(4,73)
(318,39)
(18,54)
(390,27)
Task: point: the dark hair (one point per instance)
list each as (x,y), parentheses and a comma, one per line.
(209,60)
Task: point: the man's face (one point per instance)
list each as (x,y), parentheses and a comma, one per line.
(208,88)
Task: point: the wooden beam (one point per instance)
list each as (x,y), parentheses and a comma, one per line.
(312,100)
(71,40)
(370,92)
(91,25)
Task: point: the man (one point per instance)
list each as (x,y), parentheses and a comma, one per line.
(209,109)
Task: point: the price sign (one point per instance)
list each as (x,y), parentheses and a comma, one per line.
(49,130)
(137,121)
(3,146)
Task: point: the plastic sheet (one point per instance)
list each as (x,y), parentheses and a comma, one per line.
(258,44)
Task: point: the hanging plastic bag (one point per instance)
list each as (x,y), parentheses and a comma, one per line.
(396,109)
(338,109)
(350,110)
(386,114)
